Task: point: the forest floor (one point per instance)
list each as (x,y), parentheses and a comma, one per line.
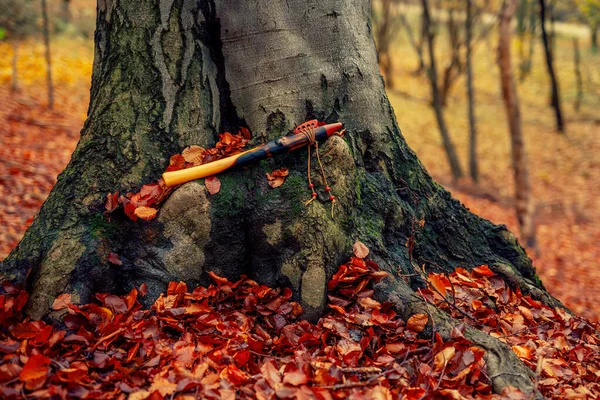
(36,144)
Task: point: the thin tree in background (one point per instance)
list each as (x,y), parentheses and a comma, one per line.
(555,97)
(385,32)
(17,22)
(65,10)
(48,60)
(523,204)
(436,98)
(526,27)
(578,79)
(473,167)
(590,11)
(417,45)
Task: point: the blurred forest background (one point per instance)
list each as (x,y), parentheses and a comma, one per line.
(539,174)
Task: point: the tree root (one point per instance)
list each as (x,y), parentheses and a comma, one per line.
(503,366)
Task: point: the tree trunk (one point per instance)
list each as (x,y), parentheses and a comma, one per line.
(473,167)
(594,37)
(578,78)
(555,97)
(65,6)
(416,45)
(174,73)
(384,38)
(523,204)
(436,97)
(14,83)
(47,54)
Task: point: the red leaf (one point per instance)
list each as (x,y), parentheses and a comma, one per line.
(25,330)
(114,259)
(294,376)
(219,280)
(36,367)
(484,270)
(176,163)
(150,194)
(112,201)
(213,184)
(116,304)
(245,133)
(437,281)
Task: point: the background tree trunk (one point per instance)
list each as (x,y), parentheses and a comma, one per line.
(594,37)
(14,83)
(47,55)
(473,168)
(523,204)
(555,97)
(384,38)
(578,78)
(65,10)
(436,98)
(174,73)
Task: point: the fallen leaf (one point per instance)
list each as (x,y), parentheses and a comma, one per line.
(62,301)
(113,258)
(193,154)
(437,281)
(417,322)
(360,250)
(213,184)
(112,201)
(277,177)
(36,367)
(146,213)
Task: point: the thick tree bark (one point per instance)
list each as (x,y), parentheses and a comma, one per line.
(177,72)
(555,97)
(473,165)
(436,97)
(523,204)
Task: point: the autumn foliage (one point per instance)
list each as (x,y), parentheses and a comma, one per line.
(145,203)
(245,340)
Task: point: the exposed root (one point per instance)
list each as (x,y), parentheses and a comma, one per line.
(504,367)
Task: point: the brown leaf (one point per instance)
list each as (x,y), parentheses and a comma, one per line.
(437,281)
(417,322)
(62,301)
(443,357)
(112,201)
(277,177)
(146,213)
(213,184)
(360,250)
(193,154)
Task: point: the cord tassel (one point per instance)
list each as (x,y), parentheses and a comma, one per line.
(309,132)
